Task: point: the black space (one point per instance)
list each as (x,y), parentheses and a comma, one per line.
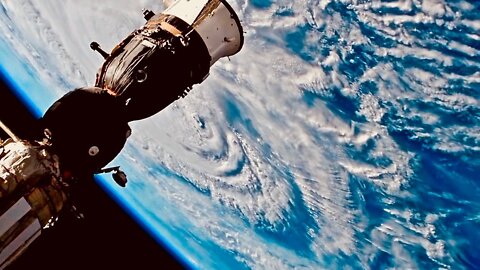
(106,237)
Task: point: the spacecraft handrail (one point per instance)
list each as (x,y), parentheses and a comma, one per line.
(9,132)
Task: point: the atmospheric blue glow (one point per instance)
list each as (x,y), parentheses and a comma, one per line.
(20,77)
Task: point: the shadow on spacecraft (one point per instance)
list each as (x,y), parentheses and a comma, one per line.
(86,128)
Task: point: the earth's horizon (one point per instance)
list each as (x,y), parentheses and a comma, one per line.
(345,134)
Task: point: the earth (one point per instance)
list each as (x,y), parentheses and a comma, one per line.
(344,135)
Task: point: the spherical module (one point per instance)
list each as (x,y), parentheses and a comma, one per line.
(88,129)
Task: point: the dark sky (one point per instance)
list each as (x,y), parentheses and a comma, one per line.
(106,237)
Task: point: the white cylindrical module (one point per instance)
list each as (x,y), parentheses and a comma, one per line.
(19,227)
(215,21)
(30,196)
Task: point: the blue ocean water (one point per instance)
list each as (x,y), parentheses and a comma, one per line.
(346,134)
(445,164)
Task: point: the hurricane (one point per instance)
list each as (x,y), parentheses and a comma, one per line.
(344,135)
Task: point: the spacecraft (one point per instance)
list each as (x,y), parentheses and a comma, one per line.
(160,62)
(84,130)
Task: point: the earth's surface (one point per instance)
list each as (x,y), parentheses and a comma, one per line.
(345,134)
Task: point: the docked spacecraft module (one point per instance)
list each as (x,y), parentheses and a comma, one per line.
(85,129)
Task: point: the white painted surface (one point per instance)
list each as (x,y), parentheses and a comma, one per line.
(23,240)
(13,214)
(219,30)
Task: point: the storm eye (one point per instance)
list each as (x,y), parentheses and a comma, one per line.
(93,151)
